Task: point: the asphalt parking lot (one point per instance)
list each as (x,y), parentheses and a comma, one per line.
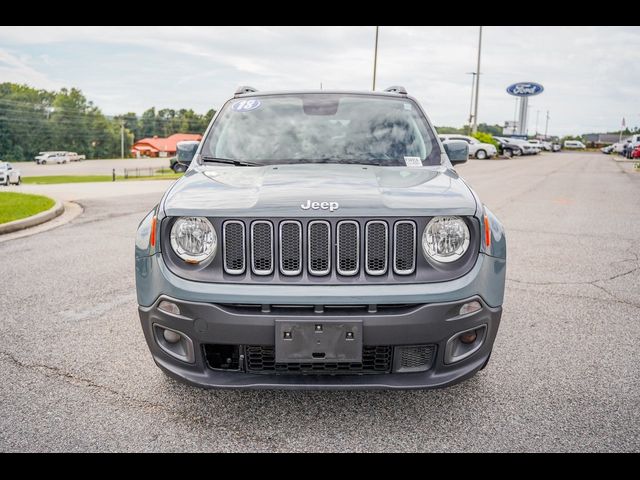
(564,375)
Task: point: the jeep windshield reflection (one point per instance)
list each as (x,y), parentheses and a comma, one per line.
(321,128)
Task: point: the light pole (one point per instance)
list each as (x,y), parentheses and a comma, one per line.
(475,112)
(537,118)
(546,126)
(375,59)
(473,81)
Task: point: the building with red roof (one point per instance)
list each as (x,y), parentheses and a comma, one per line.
(161,147)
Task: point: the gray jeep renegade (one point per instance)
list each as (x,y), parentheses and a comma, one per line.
(321,240)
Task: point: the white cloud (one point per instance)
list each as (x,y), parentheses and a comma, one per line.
(590,73)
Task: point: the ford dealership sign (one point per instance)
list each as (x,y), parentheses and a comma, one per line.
(525,89)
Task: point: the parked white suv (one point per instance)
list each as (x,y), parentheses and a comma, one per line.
(477,149)
(541,144)
(574,144)
(52,157)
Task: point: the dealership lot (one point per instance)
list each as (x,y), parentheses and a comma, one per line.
(564,374)
(90,167)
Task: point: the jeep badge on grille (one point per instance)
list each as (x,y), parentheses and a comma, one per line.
(331,206)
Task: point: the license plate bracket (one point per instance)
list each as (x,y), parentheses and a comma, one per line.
(318,341)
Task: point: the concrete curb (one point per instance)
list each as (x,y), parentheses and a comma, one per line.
(37,219)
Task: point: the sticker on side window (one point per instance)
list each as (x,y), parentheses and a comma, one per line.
(245,105)
(413,161)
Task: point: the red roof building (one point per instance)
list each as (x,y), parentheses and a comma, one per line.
(161,147)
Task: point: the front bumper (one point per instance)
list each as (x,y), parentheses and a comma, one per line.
(431,318)
(428,324)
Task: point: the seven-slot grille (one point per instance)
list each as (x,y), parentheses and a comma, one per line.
(377,246)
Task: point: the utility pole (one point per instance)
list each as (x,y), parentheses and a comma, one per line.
(546,126)
(375,59)
(537,118)
(473,82)
(475,112)
(122,138)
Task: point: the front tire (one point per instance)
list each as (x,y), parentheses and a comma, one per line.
(481,155)
(517,153)
(508,153)
(43,162)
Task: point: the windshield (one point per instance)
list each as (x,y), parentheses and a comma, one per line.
(322,128)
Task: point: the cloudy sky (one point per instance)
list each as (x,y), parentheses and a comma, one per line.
(591,75)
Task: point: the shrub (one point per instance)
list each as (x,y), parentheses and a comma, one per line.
(485,138)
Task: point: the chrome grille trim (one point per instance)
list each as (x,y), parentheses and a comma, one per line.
(369,259)
(282,255)
(254,269)
(397,244)
(310,246)
(233,271)
(339,259)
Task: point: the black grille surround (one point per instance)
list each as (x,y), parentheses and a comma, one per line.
(375,359)
(286,261)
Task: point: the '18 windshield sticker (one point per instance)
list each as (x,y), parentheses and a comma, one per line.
(245,105)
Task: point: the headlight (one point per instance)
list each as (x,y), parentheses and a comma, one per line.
(193,239)
(445,239)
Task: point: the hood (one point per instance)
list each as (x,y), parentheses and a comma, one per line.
(282,190)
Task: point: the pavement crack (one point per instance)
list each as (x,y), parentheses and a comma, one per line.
(77,380)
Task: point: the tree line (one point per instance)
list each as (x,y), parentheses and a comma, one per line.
(33,120)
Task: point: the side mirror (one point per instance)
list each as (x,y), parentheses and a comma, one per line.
(457,151)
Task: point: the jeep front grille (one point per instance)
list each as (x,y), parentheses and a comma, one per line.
(377,247)
(404,250)
(234,247)
(319,239)
(262,247)
(320,248)
(290,247)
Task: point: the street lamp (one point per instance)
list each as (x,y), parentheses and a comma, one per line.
(375,59)
(477,77)
(473,81)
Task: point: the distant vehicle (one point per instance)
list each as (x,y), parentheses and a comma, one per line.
(541,144)
(52,157)
(556,147)
(525,147)
(185,151)
(607,150)
(508,148)
(74,157)
(574,145)
(9,175)
(618,147)
(636,152)
(477,149)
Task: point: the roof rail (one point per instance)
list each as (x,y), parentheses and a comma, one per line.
(396,89)
(244,89)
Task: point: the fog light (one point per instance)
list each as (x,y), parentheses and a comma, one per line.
(170,336)
(466,338)
(169,307)
(470,307)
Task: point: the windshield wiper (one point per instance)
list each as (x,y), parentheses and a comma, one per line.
(237,163)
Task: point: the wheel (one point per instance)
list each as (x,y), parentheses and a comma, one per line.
(517,153)
(508,153)
(43,162)
(19,181)
(64,161)
(481,154)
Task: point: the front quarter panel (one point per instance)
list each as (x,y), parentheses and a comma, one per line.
(498,247)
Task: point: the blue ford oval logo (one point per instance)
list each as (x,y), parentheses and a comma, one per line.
(525,89)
